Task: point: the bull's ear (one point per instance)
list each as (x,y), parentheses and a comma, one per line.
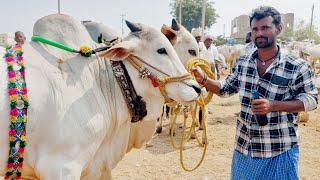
(100,38)
(119,51)
(170,34)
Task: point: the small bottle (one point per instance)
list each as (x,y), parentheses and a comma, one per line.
(261,119)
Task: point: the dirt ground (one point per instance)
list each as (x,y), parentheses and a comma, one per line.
(161,161)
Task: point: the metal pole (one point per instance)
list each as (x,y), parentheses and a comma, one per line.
(180,11)
(58,6)
(122,22)
(310,32)
(203,15)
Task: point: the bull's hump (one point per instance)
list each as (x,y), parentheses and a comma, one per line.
(63,29)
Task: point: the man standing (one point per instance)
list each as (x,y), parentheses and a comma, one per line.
(19,38)
(284,84)
(197,34)
(210,52)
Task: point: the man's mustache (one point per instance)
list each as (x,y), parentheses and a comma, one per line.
(265,38)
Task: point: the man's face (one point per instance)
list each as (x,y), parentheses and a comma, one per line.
(264,32)
(198,38)
(208,42)
(20,38)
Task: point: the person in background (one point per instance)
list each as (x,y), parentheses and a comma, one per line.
(19,37)
(197,34)
(274,87)
(210,52)
(250,46)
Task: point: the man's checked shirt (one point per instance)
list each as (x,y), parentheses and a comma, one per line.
(287,78)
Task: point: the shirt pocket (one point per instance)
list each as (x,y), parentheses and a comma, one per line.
(279,86)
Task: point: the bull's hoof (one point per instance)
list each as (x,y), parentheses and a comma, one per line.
(159,130)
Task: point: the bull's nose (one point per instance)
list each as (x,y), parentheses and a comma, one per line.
(197,89)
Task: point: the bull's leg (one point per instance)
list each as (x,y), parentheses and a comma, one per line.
(200,120)
(103,174)
(168,110)
(106,175)
(58,168)
(160,120)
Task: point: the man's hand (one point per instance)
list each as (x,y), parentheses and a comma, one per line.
(261,106)
(198,74)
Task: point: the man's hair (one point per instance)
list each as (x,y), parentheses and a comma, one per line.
(18,32)
(265,11)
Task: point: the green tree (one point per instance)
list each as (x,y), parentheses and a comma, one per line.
(191,13)
(287,35)
(220,40)
(303,32)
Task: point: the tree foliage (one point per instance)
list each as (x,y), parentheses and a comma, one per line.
(191,13)
(304,32)
(301,33)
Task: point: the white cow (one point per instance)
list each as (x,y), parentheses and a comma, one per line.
(186,47)
(78,122)
(312,54)
(231,53)
(182,40)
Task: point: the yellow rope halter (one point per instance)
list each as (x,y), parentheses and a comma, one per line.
(206,67)
(190,131)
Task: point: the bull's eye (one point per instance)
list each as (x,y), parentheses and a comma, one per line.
(192,52)
(162,51)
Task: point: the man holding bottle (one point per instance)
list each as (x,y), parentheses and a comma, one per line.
(273,88)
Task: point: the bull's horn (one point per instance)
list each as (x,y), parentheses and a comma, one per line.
(175,25)
(133,27)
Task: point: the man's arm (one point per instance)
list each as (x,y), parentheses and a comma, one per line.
(227,87)
(264,106)
(304,91)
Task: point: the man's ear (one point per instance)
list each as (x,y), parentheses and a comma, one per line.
(279,28)
(119,51)
(170,34)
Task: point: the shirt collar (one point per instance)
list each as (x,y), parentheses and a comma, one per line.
(278,58)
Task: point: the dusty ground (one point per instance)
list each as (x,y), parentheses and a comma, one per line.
(161,161)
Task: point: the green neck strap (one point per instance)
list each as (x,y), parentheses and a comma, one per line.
(84,50)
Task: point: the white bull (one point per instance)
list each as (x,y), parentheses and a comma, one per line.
(231,53)
(186,47)
(78,122)
(312,54)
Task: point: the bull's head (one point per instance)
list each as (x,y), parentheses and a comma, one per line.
(158,56)
(182,40)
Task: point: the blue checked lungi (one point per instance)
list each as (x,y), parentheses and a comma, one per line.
(281,167)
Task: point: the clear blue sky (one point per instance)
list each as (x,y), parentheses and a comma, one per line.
(21,15)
